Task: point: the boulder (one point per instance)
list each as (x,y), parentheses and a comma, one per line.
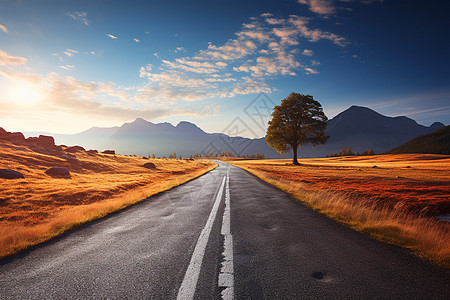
(109,152)
(58,172)
(92,151)
(43,140)
(74,149)
(10,174)
(149,165)
(46,140)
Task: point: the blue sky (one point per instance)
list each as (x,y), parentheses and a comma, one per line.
(66,66)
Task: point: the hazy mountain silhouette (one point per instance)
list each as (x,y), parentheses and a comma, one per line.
(359,127)
(363,128)
(436,142)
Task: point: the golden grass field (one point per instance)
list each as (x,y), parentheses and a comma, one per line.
(39,207)
(396,201)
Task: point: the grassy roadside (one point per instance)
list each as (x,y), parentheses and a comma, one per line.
(425,236)
(38,208)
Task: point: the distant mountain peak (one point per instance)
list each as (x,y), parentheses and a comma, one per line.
(359,109)
(185,125)
(437,125)
(140,121)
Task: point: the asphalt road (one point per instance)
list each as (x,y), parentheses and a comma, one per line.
(225,234)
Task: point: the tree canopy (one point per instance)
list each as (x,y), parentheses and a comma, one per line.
(298,120)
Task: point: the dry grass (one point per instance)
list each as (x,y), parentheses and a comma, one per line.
(38,208)
(394,202)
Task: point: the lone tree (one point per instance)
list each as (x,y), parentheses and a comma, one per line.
(298,120)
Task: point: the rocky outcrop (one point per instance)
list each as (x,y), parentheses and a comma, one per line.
(58,172)
(109,152)
(42,140)
(149,165)
(13,137)
(10,174)
(74,149)
(45,144)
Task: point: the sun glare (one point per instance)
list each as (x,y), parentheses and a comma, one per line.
(24,93)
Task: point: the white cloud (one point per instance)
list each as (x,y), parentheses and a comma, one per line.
(68,67)
(8,60)
(327,7)
(79,15)
(111,36)
(29,78)
(264,48)
(3,28)
(70,52)
(187,68)
(308,52)
(136,40)
(315,35)
(323,7)
(287,35)
(256,35)
(311,71)
(178,49)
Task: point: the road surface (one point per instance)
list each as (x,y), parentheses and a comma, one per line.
(224,235)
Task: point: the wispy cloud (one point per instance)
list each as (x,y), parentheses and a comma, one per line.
(328,7)
(3,28)
(179,49)
(97,100)
(27,77)
(80,16)
(408,101)
(6,59)
(136,40)
(311,71)
(265,47)
(70,52)
(438,111)
(68,67)
(323,7)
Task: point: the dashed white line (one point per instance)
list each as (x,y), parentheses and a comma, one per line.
(226,275)
(189,284)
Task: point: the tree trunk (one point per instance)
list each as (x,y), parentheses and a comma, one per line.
(295,162)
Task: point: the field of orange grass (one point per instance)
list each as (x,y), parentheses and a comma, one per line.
(38,207)
(396,201)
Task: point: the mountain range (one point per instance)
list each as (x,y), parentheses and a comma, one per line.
(359,127)
(436,142)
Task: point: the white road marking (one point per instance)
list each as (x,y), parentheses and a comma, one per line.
(226,276)
(189,284)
